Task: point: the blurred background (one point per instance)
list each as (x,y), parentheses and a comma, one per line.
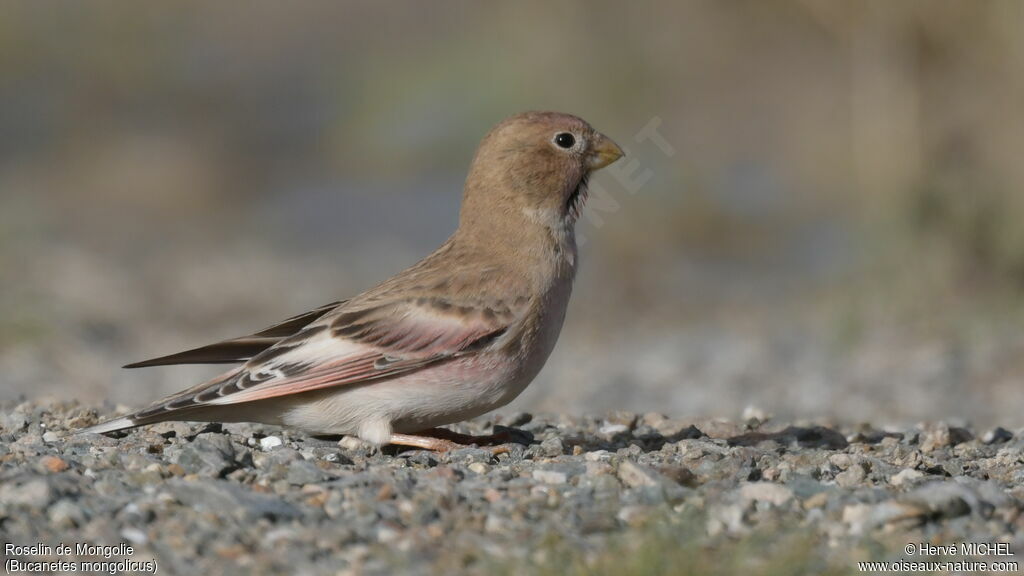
(827,225)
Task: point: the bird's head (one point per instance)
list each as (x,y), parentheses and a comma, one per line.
(536,164)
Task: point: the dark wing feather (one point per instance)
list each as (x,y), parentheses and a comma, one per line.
(393,340)
(241,349)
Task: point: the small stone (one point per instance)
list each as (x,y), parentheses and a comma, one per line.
(613,429)
(633,475)
(997,435)
(66,514)
(135,536)
(479,468)
(717,428)
(304,472)
(53,464)
(856,517)
(50,436)
(941,435)
(387,535)
(905,476)
(351,443)
(653,419)
(852,477)
(773,494)
(654,485)
(754,413)
(172,429)
(634,515)
(944,499)
(841,461)
(470,455)
(627,419)
(494,524)
(209,454)
(680,475)
(13,421)
(816,501)
(550,476)
(34,494)
(598,456)
(726,519)
(270,442)
(552,447)
(223,497)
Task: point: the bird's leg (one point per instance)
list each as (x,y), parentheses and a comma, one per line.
(436,444)
(503,437)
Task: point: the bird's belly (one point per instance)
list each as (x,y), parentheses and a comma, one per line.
(442,394)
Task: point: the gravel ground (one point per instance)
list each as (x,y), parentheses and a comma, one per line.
(578,493)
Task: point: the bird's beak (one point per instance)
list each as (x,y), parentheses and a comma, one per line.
(604,152)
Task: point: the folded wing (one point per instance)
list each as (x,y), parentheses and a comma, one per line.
(347,347)
(241,349)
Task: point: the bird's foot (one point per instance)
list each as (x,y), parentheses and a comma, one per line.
(439,444)
(502,437)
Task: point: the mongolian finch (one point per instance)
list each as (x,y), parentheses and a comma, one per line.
(461,333)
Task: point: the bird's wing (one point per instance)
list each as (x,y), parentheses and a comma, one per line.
(241,349)
(349,347)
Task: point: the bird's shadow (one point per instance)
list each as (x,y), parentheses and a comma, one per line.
(812,437)
(512,436)
(800,436)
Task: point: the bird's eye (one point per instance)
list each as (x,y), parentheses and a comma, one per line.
(565,140)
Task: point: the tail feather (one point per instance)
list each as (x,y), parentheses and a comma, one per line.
(110,426)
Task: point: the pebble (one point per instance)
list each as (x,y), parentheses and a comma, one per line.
(66,514)
(34,493)
(613,429)
(550,476)
(766,492)
(852,477)
(208,454)
(997,435)
(270,442)
(351,443)
(905,476)
(941,435)
(13,421)
(633,475)
(53,464)
(135,536)
(263,500)
(552,447)
(598,456)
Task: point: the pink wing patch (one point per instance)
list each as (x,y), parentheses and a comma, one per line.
(369,346)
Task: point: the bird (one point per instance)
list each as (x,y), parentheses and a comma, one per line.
(456,335)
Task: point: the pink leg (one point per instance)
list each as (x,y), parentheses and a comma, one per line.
(436,444)
(482,440)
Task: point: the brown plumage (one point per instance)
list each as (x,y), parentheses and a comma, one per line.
(460,333)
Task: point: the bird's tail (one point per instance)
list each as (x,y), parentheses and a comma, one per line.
(110,426)
(174,407)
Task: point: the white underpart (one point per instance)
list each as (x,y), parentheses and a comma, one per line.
(437,395)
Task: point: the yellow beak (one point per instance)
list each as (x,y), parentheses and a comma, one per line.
(604,152)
